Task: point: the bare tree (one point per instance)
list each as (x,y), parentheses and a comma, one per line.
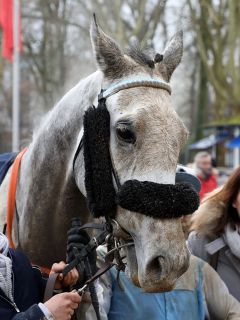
(45,36)
(126,19)
(217,27)
(57,32)
(57,49)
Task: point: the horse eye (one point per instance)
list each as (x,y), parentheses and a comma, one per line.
(125,133)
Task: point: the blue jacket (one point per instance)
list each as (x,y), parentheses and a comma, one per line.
(132,303)
(28,290)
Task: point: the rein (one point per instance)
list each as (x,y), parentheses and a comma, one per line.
(107,237)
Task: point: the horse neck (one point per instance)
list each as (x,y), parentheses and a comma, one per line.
(47,195)
(56,141)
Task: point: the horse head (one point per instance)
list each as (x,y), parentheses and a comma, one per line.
(146,136)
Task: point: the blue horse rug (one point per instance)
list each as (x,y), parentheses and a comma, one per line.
(6,160)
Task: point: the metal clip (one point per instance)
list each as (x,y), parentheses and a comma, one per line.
(82,290)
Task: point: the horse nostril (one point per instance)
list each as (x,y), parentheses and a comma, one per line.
(156,265)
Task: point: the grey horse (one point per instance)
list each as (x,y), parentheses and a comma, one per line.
(50,192)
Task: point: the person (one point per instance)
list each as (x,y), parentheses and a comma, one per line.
(196,296)
(215,232)
(205,173)
(22,288)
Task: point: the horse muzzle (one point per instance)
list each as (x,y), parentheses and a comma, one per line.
(159,255)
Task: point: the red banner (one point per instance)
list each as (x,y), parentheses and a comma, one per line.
(6,22)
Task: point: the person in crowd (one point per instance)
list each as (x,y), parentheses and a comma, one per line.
(205,173)
(22,288)
(215,235)
(199,294)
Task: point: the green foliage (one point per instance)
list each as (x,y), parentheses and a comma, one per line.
(227,121)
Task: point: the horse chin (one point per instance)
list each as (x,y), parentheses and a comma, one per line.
(136,282)
(160,286)
(158,289)
(153,287)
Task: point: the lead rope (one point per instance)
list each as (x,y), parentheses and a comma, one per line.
(92,289)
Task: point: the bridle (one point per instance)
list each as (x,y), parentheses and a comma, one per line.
(103,187)
(131,82)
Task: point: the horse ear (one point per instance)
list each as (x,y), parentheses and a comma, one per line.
(172,55)
(108,54)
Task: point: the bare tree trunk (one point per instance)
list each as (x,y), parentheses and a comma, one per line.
(218,37)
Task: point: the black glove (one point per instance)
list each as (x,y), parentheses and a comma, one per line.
(78,239)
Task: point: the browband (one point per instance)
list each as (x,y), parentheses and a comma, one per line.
(136,81)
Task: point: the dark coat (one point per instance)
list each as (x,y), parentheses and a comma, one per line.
(28,290)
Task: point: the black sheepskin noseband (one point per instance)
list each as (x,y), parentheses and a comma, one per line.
(152,199)
(158,200)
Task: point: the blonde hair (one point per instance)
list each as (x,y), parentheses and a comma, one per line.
(221,200)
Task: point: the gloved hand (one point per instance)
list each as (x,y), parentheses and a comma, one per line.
(78,239)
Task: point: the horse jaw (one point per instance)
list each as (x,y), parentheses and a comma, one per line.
(159,255)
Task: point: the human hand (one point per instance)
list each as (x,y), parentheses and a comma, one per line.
(62,305)
(69,280)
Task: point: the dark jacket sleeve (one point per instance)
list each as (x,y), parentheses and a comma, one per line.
(33,313)
(28,291)
(40,281)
